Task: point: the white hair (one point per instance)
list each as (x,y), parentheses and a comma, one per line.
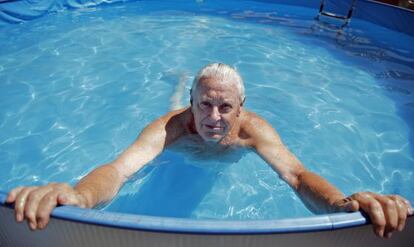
(222,72)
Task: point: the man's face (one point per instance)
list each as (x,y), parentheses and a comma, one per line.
(216,107)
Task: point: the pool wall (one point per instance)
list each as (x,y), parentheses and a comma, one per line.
(386,15)
(392,17)
(71,226)
(397,18)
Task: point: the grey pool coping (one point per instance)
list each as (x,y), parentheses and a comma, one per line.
(181,225)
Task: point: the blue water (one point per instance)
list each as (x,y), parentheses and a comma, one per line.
(77,87)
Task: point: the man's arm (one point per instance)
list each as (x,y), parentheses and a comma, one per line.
(36,203)
(387,212)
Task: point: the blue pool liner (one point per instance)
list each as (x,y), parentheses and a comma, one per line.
(392,17)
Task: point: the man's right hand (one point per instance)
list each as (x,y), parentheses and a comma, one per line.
(35,204)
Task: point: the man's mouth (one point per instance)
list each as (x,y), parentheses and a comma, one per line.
(213,127)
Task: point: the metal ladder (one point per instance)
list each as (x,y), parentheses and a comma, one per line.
(346,18)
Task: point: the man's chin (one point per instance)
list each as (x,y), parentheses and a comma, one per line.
(215,138)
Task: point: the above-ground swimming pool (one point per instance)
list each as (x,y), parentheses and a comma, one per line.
(78,85)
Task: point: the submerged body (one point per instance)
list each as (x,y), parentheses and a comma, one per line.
(216,117)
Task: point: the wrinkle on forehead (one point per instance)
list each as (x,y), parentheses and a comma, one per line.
(214,81)
(214,88)
(212,95)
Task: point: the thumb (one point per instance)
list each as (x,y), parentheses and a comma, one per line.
(68,199)
(347,205)
(351,206)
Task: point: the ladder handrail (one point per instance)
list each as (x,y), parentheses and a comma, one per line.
(337,16)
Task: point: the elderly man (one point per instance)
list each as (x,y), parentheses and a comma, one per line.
(217,118)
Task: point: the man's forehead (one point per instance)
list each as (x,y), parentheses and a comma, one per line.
(213,82)
(227,94)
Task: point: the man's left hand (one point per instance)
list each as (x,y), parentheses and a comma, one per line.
(388,213)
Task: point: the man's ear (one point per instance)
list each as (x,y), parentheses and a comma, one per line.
(242,103)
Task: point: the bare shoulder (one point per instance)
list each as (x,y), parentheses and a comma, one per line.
(168,127)
(251,118)
(255,125)
(255,129)
(177,117)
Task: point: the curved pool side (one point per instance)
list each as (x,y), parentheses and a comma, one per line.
(72,226)
(398,18)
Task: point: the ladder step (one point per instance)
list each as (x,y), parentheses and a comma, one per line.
(333,15)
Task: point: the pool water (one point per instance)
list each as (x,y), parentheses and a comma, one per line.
(77,87)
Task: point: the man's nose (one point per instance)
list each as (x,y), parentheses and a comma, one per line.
(215,113)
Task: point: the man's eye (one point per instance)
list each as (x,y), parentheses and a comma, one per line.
(226,108)
(205,104)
